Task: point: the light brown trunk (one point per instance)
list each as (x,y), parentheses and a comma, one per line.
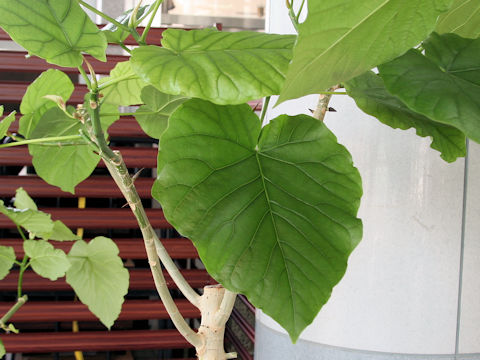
(211,332)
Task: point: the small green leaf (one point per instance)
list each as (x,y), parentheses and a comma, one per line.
(463,19)
(35,222)
(57,31)
(34,104)
(116,35)
(223,67)
(45,260)
(6,122)
(370,94)
(342,39)
(98,277)
(123,86)
(60,232)
(157,109)
(23,200)
(271,211)
(2,349)
(72,164)
(434,91)
(7,259)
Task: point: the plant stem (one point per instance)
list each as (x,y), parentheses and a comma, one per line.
(264,109)
(94,111)
(103,15)
(291,14)
(20,301)
(150,21)
(42,140)
(333,93)
(124,181)
(85,77)
(226,308)
(299,12)
(119,172)
(131,113)
(116,80)
(322,106)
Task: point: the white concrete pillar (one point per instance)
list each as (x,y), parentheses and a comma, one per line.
(412,288)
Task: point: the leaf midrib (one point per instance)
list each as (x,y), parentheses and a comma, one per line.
(267,198)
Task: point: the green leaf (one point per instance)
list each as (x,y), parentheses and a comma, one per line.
(35,222)
(455,54)
(2,349)
(342,39)
(123,86)
(45,260)
(462,19)
(34,104)
(61,232)
(72,164)
(157,109)
(98,277)
(370,94)
(6,122)
(434,92)
(7,259)
(225,68)
(57,31)
(108,120)
(117,36)
(23,200)
(271,211)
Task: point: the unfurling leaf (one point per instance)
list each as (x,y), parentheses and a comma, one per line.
(98,277)
(271,211)
(344,38)
(117,35)
(45,260)
(57,31)
(370,94)
(222,67)
(6,122)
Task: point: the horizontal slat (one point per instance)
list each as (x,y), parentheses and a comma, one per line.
(179,248)
(93,341)
(57,311)
(97,218)
(70,311)
(16,61)
(126,126)
(244,325)
(140,279)
(139,157)
(93,187)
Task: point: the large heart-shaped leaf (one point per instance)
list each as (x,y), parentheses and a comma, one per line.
(34,104)
(98,277)
(272,212)
(342,39)
(123,86)
(7,259)
(73,163)
(45,260)
(435,91)
(463,19)
(371,96)
(57,31)
(223,67)
(153,116)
